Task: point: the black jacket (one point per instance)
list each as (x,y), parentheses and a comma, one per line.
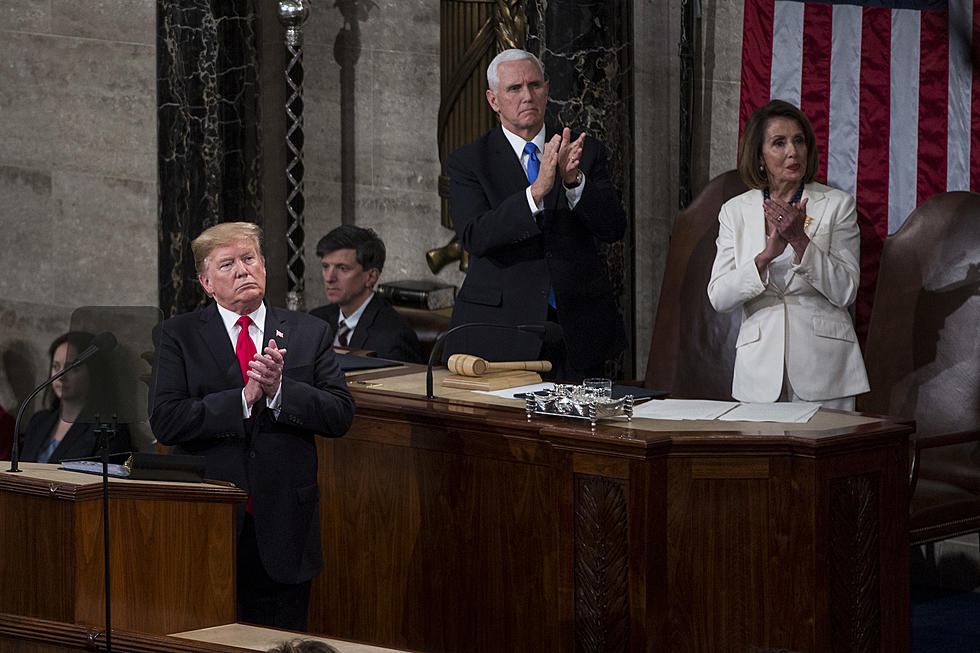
(515,258)
(380,329)
(197,409)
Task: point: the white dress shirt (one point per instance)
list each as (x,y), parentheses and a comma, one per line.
(351,321)
(256,332)
(573,195)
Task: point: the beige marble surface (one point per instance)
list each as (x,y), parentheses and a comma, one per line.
(262,639)
(53,473)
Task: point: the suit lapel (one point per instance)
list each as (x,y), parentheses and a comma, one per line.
(77,435)
(755,222)
(212,331)
(504,160)
(276,327)
(816,208)
(359,337)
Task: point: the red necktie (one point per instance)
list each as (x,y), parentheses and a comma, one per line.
(245,349)
(342,332)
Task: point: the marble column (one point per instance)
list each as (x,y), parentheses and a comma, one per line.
(208,132)
(587,50)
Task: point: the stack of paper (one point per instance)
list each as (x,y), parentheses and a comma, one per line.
(683,409)
(792,412)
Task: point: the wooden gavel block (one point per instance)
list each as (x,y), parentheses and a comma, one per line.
(468,365)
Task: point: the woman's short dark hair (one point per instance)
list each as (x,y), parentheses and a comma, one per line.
(750,146)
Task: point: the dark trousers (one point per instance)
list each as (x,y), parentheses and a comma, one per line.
(262,600)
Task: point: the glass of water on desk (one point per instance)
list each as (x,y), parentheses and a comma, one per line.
(598,387)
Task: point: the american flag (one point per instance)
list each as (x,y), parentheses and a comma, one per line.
(892,90)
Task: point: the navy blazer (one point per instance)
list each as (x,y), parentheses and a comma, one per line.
(80,442)
(380,329)
(196,408)
(515,258)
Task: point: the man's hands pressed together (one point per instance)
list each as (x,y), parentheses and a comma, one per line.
(561,155)
(265,373)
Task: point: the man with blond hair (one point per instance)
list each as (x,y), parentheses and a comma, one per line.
(249,386)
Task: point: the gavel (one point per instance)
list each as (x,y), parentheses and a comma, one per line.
(469,365)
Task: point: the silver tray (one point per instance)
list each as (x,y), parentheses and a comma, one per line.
(578,401)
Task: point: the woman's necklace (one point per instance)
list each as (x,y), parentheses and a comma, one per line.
(797,196)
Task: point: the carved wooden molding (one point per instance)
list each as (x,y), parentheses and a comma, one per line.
(855,573)
(601,565)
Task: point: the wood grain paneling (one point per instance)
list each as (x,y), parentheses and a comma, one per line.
(457,526)
(171,559)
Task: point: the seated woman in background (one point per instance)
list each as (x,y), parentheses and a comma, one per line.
(787,256)
(54,434)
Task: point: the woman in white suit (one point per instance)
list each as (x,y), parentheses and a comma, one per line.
(788,257)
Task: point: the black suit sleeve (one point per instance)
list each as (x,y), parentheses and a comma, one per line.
(599,208)
(189,402)
(486,216)
(318,401)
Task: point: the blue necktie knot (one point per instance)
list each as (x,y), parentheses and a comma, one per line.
(533,162)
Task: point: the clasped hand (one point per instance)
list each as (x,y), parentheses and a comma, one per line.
(784,224)
(265,373)
(561,156)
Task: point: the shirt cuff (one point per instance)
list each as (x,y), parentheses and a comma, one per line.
(275,404)
(246,411)
(573,195)
(535,209)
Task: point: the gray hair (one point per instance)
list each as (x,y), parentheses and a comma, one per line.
(509,55)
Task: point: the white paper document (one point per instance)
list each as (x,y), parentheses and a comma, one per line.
(783,411)
(508,393)
(683,409)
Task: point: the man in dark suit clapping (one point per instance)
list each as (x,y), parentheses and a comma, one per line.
(530,209)
(249,386)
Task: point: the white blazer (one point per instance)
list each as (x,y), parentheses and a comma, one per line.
(804,329)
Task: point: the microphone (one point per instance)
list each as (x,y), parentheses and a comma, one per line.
(105,341)
(539,329)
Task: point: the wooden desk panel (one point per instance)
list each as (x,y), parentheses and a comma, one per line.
(453,525)
(171,550)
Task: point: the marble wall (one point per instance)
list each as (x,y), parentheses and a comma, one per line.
(209,128)
(78,162)
(78,170)
(395,155)
(588,56)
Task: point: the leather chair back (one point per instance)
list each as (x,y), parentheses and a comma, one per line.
(693,351)
(922,353)
(428,325)
(923,359)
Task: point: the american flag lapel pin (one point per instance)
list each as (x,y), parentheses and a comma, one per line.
(279,334)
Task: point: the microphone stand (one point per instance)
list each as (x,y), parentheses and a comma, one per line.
(104,434)
(536,329)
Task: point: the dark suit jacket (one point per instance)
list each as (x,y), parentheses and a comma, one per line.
(380,329)
(514,259)
(197,409)
(80,441)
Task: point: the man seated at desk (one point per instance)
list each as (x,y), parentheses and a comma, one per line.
(352,259)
